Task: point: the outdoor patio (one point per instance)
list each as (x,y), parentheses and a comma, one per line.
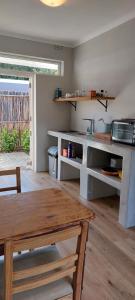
(14,159)
(14,128)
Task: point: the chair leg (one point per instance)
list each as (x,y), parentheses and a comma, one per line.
(1,250)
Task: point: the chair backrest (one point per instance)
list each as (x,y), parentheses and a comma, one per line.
(15,172)
(34,277)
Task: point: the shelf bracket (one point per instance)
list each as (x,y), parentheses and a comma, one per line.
(73,104)
(105,105)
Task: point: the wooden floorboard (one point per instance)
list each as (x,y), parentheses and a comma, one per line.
(110,259)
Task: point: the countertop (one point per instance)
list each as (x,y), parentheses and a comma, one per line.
(89,140)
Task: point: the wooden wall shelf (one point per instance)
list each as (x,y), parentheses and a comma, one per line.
(83,98)
(73,101)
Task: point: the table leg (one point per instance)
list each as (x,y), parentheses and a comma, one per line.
(8,270)
(78,276)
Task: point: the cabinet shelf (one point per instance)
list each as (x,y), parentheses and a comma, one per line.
(111,180)
(73,100)
(71,161)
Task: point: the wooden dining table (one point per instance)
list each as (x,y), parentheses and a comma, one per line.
(37,212)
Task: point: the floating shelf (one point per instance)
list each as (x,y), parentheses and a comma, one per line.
(83,98)
(73,101)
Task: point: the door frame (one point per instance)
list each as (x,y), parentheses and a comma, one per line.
(32,80)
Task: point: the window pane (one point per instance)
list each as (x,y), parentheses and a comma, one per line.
(37,66)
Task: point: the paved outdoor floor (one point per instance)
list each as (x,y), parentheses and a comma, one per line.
(14,159)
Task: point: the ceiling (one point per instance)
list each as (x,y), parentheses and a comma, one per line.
(70,25)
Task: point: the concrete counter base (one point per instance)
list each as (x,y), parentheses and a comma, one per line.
(93,184)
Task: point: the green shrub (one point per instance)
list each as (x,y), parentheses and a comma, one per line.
(25,140)
(8,140)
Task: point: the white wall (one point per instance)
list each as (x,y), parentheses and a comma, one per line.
(37,49)
(42,50)
(48,115)
(106,62)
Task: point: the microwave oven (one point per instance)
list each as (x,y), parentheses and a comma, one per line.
(123,131)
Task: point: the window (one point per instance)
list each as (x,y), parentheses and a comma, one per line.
(31,64)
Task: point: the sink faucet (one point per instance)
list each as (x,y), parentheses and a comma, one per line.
(90,128)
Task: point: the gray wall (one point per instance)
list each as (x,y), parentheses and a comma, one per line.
(48,114)
(106,62)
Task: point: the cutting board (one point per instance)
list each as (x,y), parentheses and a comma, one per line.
(102,136)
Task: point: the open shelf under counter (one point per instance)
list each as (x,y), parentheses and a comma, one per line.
(93,184)
(111,180)
(72,161)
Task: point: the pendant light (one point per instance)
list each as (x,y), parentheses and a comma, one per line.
(53,3)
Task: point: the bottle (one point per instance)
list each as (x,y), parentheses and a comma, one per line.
(58,93)
(65,152)
(83,93)
(102,93)
(70,150)
(73,152)
(106,94)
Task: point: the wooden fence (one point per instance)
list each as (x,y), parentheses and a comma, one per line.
(14,111)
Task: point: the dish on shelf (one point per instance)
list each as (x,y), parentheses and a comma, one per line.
(120,174)
(110,171)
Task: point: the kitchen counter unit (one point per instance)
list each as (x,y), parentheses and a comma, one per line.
(94,184)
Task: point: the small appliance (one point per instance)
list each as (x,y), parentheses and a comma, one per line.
(123,131)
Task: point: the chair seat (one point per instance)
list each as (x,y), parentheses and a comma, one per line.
(52,291)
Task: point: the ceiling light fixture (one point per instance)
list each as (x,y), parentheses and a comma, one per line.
(53,3)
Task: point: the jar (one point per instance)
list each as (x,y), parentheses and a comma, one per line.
(65,152)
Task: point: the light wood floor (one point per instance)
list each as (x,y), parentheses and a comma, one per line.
(110,259)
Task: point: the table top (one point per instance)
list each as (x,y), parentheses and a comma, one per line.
(39,211)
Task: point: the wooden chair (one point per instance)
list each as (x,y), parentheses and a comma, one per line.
(17,188)
(15,172)
(43,274)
